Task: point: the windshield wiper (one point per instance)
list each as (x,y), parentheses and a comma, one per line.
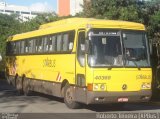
(136,64)
(110,67)
(134,59)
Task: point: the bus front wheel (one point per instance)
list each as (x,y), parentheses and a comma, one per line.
(68,98)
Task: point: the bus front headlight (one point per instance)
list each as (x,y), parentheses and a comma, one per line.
(95,86)
(146,86)
(99,87)
(102,86)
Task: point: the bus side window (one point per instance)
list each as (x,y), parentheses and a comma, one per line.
(26,46)
(46,43)
(71,40)
(31,42)
(59,42)
(50,43)
(39,45)
(81,48)
(17,47)
(14,47)
(53,44)
(22,47)
(36,45)
(65,42)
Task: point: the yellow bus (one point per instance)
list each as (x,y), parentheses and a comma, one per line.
(82,60)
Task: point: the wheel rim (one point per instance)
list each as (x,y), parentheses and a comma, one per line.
(69,97)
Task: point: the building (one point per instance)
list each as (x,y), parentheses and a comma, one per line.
(69,7)
(24,12)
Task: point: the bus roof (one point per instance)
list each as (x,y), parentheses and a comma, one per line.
(74,23)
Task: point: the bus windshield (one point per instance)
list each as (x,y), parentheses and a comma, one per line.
(117,48)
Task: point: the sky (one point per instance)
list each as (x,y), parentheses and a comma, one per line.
(36,4)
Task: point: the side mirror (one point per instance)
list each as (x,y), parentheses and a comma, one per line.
(0,57)
(86,46)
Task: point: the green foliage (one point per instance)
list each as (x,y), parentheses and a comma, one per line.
(112,9)
(8,26)
(34,24)
(153,21)
(154,26)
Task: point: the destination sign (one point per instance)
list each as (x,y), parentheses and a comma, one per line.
(106,33)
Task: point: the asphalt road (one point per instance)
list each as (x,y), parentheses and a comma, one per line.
(48,106)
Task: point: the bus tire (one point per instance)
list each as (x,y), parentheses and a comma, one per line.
(68,98)
(19,85)
(26,86)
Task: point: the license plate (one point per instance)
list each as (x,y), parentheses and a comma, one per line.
(122,99)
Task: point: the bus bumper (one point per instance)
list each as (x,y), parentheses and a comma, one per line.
(116,97)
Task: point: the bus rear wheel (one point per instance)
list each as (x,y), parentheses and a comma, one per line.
(68,98)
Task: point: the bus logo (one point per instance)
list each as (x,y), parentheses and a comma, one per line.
(124,87)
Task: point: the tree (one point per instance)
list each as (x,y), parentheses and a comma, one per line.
(9,25)
(40,19)
(154,26)
(153,21)
(112,9)
(146,12)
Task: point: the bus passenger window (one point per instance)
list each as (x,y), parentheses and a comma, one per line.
(65,42)
(46,43)
(39,45)
(22,47)
(59,42)
(31,46)
(28,46)
(17,47)
(14,48)
(71,40)
(53,44)
(50,43)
